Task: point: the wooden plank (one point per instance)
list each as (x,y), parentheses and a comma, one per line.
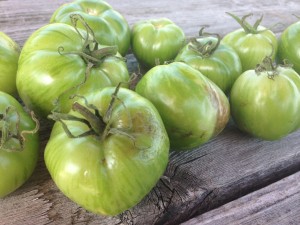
(20,18)
(194,182)
(230,166)
(278,203)
(227,168)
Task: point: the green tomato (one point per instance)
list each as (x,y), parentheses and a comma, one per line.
(289,46)
(56,62)
(217,61)
(9,55)
(266,104)
(109,26)
(19,145)
(156,41)
(252,43)
(193,108)
(111,167)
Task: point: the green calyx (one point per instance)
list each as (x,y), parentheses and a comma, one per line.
(270,67)
(98,125)
(93,120)
(11,137)
(248,28)
(205,48)
(91,53)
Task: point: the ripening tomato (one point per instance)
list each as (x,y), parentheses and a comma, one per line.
(266,102)
(192,107)
(109,26)
(19,144)
(155,41)
(109,151)
(289,46)
(9,55)
(59,60)
(252,43)
(214,59)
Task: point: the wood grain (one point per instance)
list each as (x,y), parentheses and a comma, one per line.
(20,18)
(230,166)
(274,204)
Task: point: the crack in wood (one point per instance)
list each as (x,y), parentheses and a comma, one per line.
(169,194)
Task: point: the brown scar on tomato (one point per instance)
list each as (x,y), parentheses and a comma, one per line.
(223,111)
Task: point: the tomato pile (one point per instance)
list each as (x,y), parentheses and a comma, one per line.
(110,140)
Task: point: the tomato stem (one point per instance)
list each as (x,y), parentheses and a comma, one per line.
(248,28)
(11,137)
(268,66)
(89,114)
(92,51)
(205,49)
(94,119)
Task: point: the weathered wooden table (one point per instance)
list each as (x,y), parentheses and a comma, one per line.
(233,179)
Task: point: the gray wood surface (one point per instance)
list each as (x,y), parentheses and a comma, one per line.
(274,204)
(230,166)
(19,18)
